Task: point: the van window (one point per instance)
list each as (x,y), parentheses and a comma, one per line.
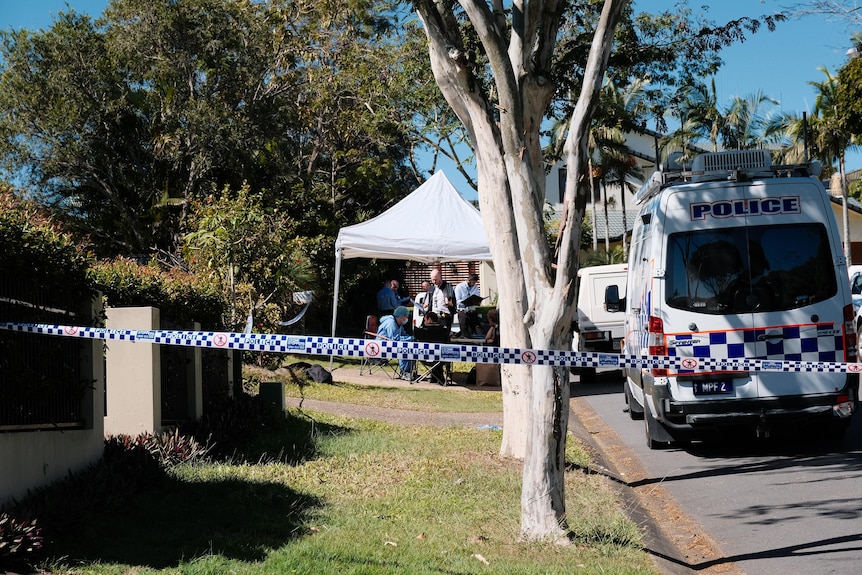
(746,269)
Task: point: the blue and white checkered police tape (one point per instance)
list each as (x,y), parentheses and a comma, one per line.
(425,351)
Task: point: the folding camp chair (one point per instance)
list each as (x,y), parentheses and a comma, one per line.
(437,371)
(371,365)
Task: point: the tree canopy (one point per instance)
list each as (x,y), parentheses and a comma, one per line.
(119,122)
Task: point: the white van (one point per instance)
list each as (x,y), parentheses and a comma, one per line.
(600,315)
(738,259)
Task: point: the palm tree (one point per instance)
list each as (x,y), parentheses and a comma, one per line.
(831,140)
(610,161)
(618,109)
(746,120)
(827,139)
(741,125)
(620,169)
(700,117)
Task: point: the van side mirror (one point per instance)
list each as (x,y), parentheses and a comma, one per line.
(613,303)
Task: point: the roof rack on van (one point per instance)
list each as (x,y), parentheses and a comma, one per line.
(730,165)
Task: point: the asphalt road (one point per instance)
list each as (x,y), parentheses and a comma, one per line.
(776,507)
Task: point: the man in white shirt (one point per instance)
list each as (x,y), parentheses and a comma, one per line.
(442,298)
(421,300)
(467,317)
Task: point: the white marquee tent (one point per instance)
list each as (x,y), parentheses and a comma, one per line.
(433,224)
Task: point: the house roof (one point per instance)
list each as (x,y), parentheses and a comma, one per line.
(615,223)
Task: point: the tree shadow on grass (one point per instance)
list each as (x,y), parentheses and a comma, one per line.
(249,430)
(180,521)
(161,521)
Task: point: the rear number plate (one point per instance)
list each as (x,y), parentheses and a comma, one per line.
(713,387)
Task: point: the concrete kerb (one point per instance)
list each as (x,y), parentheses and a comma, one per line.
(677,543)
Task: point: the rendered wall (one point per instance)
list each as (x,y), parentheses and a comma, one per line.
(133,370)
(30,459)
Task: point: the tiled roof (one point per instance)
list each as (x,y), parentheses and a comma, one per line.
(615,222)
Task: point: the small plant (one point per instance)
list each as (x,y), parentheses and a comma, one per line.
(164,450)
(19,542)
(233,422)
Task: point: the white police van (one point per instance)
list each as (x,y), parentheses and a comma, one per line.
(734,259)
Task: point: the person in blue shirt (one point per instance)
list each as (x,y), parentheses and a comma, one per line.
(388,298)
(392,328)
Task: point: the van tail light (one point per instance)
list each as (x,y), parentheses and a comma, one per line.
(845,405)
(850,335)
(656,344)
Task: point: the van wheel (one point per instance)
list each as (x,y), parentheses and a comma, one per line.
(587,375)
(635,410)
(834,431)
(656,435)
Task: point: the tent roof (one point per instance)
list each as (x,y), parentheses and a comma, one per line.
(433,224)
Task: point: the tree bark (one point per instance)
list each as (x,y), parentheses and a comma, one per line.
(536,302)
(845,211)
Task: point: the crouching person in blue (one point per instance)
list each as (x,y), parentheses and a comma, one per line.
(392,327)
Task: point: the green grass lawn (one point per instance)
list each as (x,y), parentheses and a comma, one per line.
(449,400)
(328,495)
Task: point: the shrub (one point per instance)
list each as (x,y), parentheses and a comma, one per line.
(20,541)
(34,247)
(180,296)
(154,451)
(231,423)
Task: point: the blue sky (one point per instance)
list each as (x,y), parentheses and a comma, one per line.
(780,63)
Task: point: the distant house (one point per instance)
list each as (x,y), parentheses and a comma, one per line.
(644,147)
(854,209)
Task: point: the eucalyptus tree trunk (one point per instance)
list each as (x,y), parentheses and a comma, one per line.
(625,219)
(593,204)
(604,188)
(536,301)
(845,212)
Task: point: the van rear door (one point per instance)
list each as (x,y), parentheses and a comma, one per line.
(750,272)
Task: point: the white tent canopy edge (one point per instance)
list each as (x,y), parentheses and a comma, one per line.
(433,224)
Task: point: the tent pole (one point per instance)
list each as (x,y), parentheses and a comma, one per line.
(335,295)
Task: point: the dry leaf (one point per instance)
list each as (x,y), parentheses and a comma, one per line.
(421,537)
(477,539)
(480,558)
(393,543)
(314,529)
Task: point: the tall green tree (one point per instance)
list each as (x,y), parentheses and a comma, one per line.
(121,123)
(159,103)
(76,131)
(849,93)
(831,139)
(824,135)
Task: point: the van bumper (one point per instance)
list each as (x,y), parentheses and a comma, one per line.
(689,416)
